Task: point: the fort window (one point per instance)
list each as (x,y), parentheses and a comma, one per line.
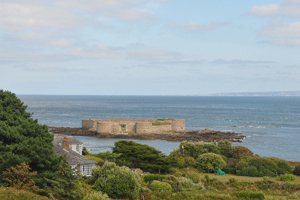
(123,127)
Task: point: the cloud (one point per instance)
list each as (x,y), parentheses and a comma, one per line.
(194,27)
(60,43)
(102,52)
(281,29)
(179,62)
(290,43)
(130,15)
(287,8)
(44,68)
(153,55)
(239,62)
(22,16)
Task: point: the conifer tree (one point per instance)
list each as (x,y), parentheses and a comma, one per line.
(22,139)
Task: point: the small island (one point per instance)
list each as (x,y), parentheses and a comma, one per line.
(146,129)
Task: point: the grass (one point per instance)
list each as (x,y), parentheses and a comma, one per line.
(160,123)
(7,193)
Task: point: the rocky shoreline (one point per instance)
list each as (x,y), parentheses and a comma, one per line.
(205,135)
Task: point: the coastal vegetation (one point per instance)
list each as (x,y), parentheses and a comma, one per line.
(30,170)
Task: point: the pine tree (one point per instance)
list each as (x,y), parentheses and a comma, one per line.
(22,139)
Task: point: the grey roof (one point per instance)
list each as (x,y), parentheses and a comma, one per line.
(73,158)
(59,140)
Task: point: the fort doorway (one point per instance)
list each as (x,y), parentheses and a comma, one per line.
(123,127)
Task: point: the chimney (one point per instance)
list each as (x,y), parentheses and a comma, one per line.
(66,144)
(59,135)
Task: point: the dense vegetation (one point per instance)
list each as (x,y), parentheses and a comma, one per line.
(30,170)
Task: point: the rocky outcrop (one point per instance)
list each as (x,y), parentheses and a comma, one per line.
(205,135)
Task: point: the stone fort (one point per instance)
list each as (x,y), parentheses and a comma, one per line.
(134,125)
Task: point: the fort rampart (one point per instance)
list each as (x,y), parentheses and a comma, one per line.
(134,125)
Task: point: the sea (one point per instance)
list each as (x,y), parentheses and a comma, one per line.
(271,124)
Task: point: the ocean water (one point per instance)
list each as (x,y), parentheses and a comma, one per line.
(271,124)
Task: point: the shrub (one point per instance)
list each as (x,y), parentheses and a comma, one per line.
(239,152)
(99,161)
(194,149)
(297,170)
(84,151)
(249,195)
(190,161)
(232,180)
(231,162)
(225,148)
(194,176)
(259,167)
(287,177)
(19,177)
(160,186)
(96,196)
(117,182)
(152,177)
(210,162)
(13,194)
(229,170)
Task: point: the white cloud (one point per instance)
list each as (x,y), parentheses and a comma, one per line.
(24,16)
(289,8)
(153,55)
(45,68)
(130,15)
(281,29)
(291,43)
(194,27)
(60,43)
(96,54)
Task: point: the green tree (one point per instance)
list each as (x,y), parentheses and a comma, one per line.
(85,151)
(225,148)
(144,157)
(22,139)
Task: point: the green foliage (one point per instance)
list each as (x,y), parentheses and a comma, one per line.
(160,123)
(117,182)
(232,180)
(249,195)
(144,157)
(22,139)
(96,196)
(99,161)
(63,186)
(152,177)
(229,170)
(109,156)
(259,167)
(160,186)
(297,170)
(287,177)
(84,151)
(225,148)
(210,162)
(14,194)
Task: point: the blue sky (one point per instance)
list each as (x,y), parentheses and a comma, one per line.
(149,47)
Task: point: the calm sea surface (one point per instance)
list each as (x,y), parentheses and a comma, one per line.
(271,124)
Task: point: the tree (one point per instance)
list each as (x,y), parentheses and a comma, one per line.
(143,156)
(22,139)
(85,151)
(225,148)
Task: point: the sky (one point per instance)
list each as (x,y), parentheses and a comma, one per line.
(149,47)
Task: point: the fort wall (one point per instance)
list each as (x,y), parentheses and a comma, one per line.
(134,125)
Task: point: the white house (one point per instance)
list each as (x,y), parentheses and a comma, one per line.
(62,147)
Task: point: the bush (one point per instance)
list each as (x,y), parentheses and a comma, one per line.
(229,170)
(194,176)
(160,186)
(210,162)
(239,152)
(96,196)
(84,151)
(117,182)
(194,149)
(225,148)
(259,167)
(297,170)
(99,161)
(190,161)
(249,195)
(152,177)
(287,177)
(232,180)
(13,194)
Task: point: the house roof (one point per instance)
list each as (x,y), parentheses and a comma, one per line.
(59,140)
(73,158)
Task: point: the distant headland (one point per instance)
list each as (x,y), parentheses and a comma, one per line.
(258,94)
